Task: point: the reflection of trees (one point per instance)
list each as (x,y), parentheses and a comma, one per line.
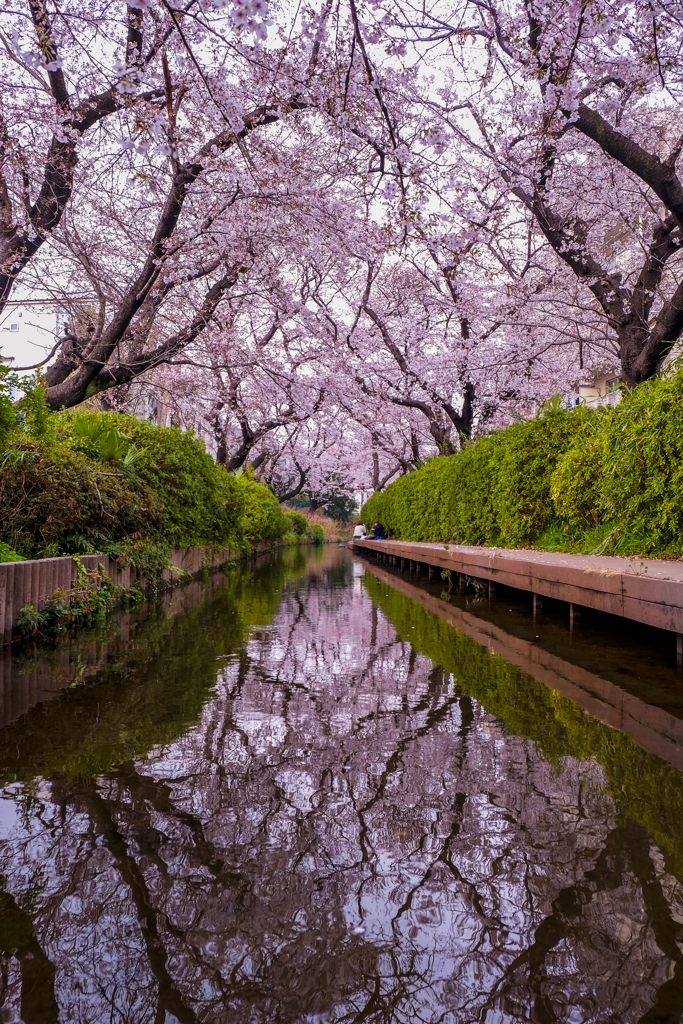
(18,942)
(122,698)
(346,836)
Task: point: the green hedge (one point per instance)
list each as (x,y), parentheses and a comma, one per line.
(298,523)
(606,479)
(263,516)
(105,482)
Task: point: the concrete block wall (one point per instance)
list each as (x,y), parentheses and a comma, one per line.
(34,582)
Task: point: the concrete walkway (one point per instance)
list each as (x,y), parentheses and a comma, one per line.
(649,590)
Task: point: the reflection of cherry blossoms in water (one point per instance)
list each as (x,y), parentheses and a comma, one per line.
(345,835)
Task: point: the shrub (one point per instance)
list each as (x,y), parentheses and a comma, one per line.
(526,456)
(642,462)
(8,419)
(298,523)
(600,480)
(199,501)
(317,533)
(576,482)
(49,493)
(106,482)
(263,516)
(494,491)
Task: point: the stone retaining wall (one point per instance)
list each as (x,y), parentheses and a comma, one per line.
(33,582)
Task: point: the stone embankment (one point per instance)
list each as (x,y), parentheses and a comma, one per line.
(648,590)
(34,582)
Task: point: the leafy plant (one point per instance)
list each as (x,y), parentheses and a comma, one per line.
(318,534)
(91,596)
(606,480)
(94,435)
(14,456)
(297,522)
(36,415)
(8,419)
(263,515)
(29,620)
(8,554)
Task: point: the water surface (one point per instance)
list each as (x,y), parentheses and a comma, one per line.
(296,795)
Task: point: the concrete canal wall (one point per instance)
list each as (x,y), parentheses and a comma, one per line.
(33,582)
(649,590)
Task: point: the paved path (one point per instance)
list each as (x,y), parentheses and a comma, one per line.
(649,590)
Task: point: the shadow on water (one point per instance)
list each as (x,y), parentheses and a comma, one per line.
(298,794)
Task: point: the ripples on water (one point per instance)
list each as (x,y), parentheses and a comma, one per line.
(273,807)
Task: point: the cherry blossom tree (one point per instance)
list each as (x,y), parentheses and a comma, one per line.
(569,117)
(350,235)
(55,95)
(171,202)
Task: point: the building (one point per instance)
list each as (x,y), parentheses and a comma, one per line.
(29,329)
(603,390)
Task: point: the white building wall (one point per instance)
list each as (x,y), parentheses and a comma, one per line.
(29,329)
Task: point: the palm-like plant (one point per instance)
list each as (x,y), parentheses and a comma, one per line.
(94,437)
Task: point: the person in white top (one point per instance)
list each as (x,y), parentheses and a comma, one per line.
(360,532)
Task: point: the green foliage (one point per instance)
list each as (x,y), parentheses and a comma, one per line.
(198,501)
(150,557)
(642,461)
(341,507)
(263,516)
(94,436)
(8,554)
(96,481)
(56,494)
(30,415)
(29,620)
(8,420)
(576,482)
(91,596)
(598,480)
(36,416)
(317,533)
(524,460)
(297,522)
(494,491)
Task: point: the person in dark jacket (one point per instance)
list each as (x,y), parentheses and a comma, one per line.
(378,531)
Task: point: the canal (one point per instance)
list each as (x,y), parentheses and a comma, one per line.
(296,793)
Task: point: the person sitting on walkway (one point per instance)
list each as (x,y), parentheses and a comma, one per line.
(378,531)
(360,532)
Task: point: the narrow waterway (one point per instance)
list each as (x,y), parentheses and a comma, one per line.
(296,794)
